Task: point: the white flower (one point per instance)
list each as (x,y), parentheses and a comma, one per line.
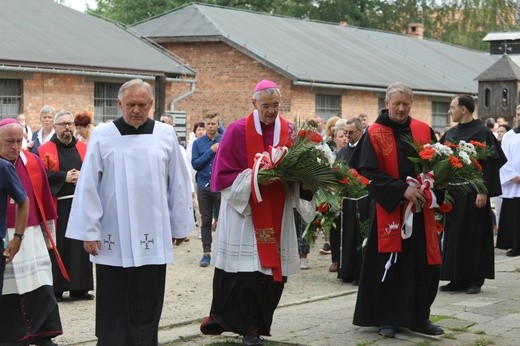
(467,148)
(324,148)
(442,150)
(464,156)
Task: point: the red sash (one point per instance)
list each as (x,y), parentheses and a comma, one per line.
(35,176)
(49,155)
(389,223)
(267,215)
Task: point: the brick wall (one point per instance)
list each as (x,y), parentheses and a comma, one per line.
(226,78)
(69,92)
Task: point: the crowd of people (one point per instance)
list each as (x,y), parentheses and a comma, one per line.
(122,194)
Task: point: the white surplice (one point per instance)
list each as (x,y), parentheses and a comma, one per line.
(235,249)
(511,169)
(31,267)
(133,195)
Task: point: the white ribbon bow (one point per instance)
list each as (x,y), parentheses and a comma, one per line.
(266,160)
(425,182)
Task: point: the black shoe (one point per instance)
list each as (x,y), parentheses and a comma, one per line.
(59,296)
(45,342)
(453,287)
(211,327)
(252,340)
(513,253)
(473,289)
(387,331)
(428,328)
(81,296)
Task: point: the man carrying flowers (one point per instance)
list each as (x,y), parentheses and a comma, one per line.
(256,247)
(400,272)
(468,254)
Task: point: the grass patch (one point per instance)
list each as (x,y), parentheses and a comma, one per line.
(483,342)
(480,332)
(450,336)
(437,318)
(460,329)
(364,343)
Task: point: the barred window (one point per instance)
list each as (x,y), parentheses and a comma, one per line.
(440,117)
(328,106)
(105,102)
(10,98)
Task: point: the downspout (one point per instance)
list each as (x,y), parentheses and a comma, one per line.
(183,96)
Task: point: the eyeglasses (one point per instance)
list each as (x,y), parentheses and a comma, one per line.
(266,106)
(64,124)
(350,133)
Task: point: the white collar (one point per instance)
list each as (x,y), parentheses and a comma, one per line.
(277,126)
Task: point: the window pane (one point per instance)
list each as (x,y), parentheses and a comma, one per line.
(440,118)
(105,102)
(328,106)
(10,98)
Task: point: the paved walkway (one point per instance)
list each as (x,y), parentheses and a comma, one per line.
(316,309)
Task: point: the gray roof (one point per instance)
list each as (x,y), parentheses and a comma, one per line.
(507,68)
(325,53)
(45,34)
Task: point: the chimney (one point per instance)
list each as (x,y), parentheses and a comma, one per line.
(415,30)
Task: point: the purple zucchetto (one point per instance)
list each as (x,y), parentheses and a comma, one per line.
(265,84)
(9,121)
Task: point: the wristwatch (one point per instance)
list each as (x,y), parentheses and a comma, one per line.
(19,235)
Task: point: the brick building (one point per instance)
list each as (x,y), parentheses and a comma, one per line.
(322,68)
(53,55)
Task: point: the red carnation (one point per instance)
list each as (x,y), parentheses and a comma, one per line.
(478,144)
(455,162)
(313,136)
(445,208)
(476,163)
(323,208)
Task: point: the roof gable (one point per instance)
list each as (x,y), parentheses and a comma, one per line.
(46,34)
(507,68)
(316,52)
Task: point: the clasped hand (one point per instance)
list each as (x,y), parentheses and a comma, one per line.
(416,196)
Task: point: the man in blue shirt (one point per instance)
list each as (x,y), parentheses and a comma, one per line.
(202,156)
(11,186)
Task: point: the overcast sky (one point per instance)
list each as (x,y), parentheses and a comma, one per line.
(80,5)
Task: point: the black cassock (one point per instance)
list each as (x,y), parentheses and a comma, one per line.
(354,211)
(467,247)
(74,256)
(404,298)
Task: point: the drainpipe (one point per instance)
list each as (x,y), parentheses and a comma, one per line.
(183,96)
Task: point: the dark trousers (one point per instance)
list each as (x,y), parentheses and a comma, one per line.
(209,206)
(2,266)
(129,303)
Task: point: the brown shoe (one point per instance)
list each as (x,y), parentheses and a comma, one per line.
(333,267)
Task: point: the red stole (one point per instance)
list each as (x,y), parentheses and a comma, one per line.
(49,154)
(389,224)
(267,215)
(35,176)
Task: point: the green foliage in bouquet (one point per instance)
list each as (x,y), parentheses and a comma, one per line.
(455,166)
(308,162)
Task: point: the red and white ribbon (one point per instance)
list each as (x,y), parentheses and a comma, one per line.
(266,160)
(425,182)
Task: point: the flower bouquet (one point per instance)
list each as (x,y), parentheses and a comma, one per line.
(455,166)
(305,160)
